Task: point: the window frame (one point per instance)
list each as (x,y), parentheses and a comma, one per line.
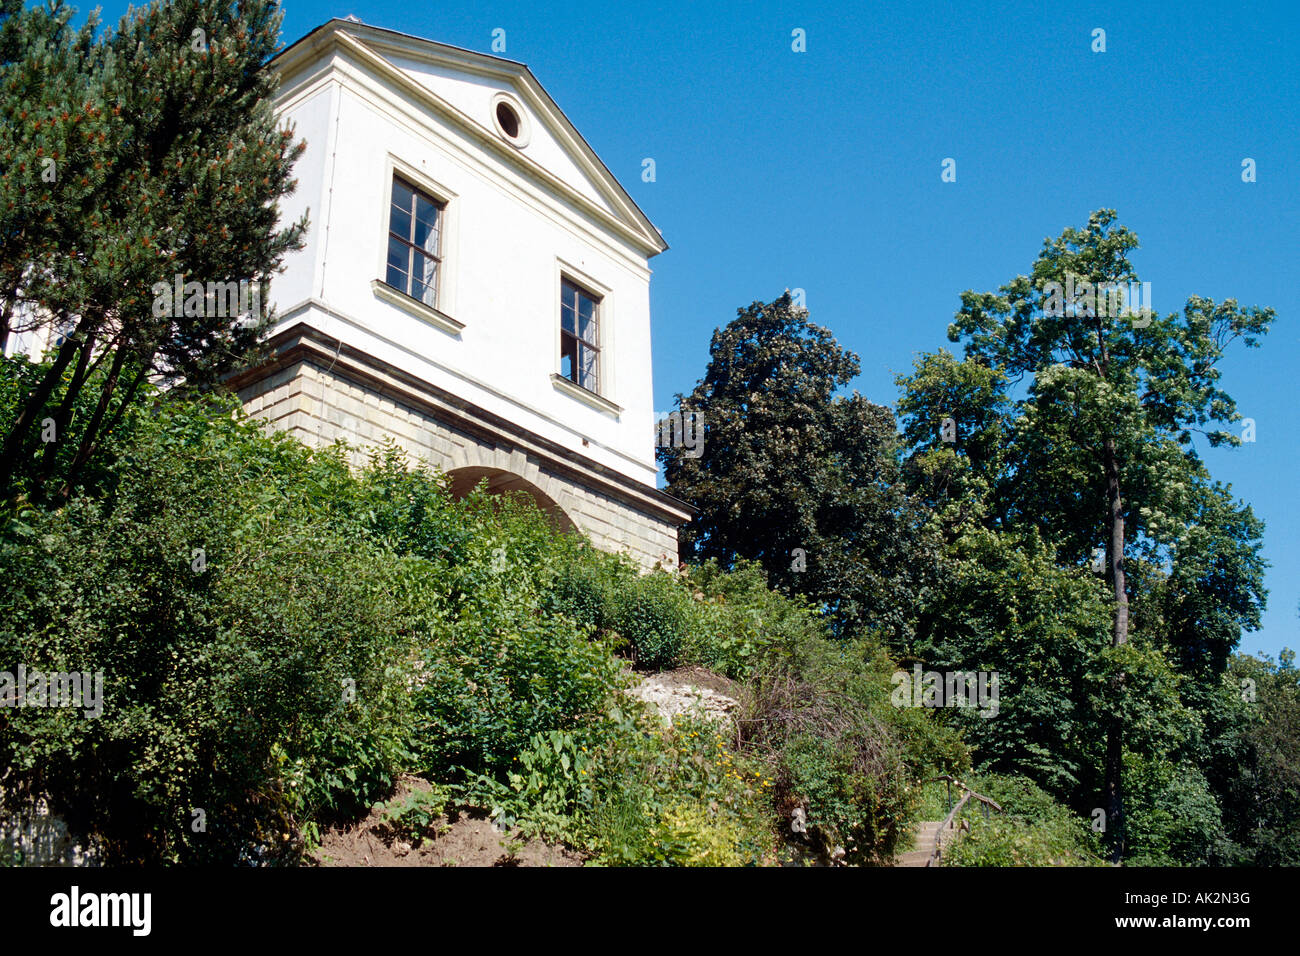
(575,271)
(581,291)
(408,241)
(417,174)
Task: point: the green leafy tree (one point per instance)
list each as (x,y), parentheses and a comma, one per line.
(1005,607)
(799,478)
(1112,403)
(958,423)
(1254,760)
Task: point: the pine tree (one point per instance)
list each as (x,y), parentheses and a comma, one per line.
(129,157)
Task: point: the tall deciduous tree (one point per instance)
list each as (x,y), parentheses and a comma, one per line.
(129,158)
(1113,402)
(958,424)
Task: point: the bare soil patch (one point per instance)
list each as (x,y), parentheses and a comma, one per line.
(463,837)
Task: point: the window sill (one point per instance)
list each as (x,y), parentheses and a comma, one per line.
(583,395)
(427,313)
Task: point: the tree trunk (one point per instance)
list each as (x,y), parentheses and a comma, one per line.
(1115,790)
(1116,547)
(88,438)
(15,442)
(86,451)
(63,416)
(1115,732)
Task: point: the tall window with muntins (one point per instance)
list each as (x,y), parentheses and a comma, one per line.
(414,242)
(579,336)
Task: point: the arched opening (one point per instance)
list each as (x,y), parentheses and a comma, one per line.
(502,482)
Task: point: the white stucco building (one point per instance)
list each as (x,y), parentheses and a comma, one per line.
(474,283)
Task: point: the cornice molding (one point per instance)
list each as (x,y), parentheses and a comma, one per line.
(303,342)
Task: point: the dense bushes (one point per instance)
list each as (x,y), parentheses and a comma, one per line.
(1173,819)
(740,620)
(280,637)
(647,615)
(252,678)
(684,796)
(500,676)
(639,792)
(841,751)
(818,720)
(1032,830)
(653,614)
(1254,770)
(721,620)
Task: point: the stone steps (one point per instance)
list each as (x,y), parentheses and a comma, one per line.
(925,833)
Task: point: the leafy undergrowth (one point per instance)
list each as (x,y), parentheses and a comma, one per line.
(282,638)
(1032,830)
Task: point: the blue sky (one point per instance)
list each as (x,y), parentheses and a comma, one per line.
(821,170)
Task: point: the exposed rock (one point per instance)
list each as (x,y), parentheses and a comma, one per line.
(670,697)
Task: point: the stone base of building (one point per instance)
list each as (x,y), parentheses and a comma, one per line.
(321,393)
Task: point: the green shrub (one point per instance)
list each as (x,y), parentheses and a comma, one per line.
(653,613)
(737,617)
(1171,817)
(630,791)
(583,589)
(1013,842)
(718,619)
(500,675)
(253,679)
(679,795)
(687,834)
(821,710)
(1033,829)
(506,652)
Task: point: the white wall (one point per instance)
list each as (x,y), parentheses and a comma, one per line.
(506,233)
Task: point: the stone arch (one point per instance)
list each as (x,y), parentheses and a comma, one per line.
(509,471)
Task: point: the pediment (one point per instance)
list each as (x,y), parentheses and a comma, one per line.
(466,87)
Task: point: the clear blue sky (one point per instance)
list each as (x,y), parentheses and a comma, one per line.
(821,170)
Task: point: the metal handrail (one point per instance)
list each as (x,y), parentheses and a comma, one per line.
(947,823)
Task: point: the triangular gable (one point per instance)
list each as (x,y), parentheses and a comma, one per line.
(472,94)
(462,83)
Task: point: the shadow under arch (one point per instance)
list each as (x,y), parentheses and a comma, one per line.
(502,482)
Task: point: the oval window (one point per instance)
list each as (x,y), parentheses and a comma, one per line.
(510,120)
